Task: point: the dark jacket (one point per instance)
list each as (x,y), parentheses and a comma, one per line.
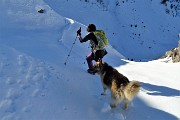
(90,37)
(99,54)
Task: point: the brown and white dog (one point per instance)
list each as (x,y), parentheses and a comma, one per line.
(119,85)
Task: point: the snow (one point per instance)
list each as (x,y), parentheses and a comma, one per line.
(37,85)
(143,25)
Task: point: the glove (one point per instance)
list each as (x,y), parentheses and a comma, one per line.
(79,32)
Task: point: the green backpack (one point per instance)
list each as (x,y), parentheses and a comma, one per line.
(101,38)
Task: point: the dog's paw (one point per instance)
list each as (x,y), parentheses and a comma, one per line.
(125,107)
(113,105)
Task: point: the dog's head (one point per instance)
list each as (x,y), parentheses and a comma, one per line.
(99,66)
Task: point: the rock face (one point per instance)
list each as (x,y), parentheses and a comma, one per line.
(174,53)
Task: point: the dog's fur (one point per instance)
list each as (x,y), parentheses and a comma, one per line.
(119,85)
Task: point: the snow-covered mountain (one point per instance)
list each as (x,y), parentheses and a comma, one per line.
(129,24)
(37,85)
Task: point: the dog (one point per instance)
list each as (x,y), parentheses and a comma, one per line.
(119,85)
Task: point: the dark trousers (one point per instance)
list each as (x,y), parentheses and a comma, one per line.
(98,55)
(89,60)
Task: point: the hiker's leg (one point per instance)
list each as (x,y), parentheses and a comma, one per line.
(89,60)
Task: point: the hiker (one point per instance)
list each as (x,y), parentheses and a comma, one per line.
(97,51)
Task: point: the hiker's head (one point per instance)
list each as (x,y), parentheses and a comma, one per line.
(91,28)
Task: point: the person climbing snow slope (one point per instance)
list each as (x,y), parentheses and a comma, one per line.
(98,43)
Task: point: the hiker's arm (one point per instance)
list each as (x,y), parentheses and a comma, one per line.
(86,38)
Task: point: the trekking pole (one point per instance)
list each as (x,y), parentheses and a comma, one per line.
(71,47)
(70,51)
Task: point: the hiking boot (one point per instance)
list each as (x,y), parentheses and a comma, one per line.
(91,71)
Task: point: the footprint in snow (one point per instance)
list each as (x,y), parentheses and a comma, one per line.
(10,81)
(13,94)
(27,108)
(6,105)
(106,108)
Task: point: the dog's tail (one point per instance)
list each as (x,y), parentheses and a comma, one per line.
(131,90)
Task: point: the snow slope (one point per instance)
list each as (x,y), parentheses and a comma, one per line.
(129,24)
(35,84)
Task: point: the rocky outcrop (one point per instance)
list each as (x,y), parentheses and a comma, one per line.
(174,53)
